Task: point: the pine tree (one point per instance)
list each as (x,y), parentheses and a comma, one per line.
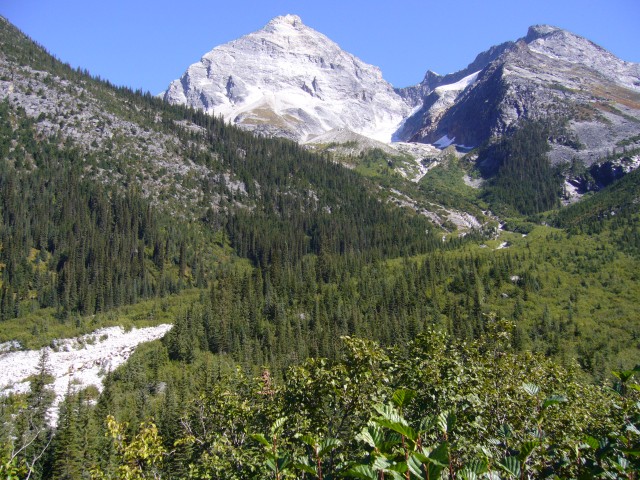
(33,433)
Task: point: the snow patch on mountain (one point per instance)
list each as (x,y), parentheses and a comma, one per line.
(424,155)
(347,142)
(551,73)
(438,214)
(444,141)
(434,107)
(459,85)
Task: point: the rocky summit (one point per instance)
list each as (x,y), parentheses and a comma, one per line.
(289,80)
(591,96)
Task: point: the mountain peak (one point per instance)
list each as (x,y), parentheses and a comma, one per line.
(289,80)
(289,19)
(539,31)
(549,74)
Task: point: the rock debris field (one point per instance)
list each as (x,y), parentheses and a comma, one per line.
(76,362)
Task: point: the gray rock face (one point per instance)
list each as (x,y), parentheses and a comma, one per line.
(549,74)
(415,95)
(290,80)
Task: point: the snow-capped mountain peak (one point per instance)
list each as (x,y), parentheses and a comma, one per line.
(287,79)
(289,19)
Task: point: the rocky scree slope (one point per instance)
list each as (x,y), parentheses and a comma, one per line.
(74,363)
(125,139)
(292,81)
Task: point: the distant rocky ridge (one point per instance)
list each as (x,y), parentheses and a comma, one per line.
(592,96)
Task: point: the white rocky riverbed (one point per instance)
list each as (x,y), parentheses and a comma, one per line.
(76,362)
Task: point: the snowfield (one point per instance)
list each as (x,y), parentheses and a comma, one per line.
(76,362)
(460,85)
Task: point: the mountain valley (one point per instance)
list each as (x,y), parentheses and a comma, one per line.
(350,280)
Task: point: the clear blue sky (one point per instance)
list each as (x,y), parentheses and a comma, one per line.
(147,44)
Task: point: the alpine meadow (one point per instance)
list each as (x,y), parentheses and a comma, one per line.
(283,267)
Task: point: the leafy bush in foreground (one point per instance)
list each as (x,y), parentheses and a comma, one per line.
(429,409)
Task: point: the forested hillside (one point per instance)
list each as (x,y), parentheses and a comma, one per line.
(320,331)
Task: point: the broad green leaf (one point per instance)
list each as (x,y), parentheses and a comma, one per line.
(395,475)
(362,471)
(440,454)
(302,463)
(486,452)
(306,468)
(390,413)
(403,396)
(302,460)
(271,463)
(260,438)
(531,389)
(391,440)
(511,465)
(623,463)
(446,421)
(327,445)
(434,461)
(504,431)
(400,467)
(372,435)
(553,400)
(591,442)
(415,465)
(526,449)
(477,466)
(442,421)
(284,463)
(625,375)
(420,457)
(467,474)
(310,440)
(452,418)
(381,463)
(434,470)
(426,423)
(277,425)
(400,428)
